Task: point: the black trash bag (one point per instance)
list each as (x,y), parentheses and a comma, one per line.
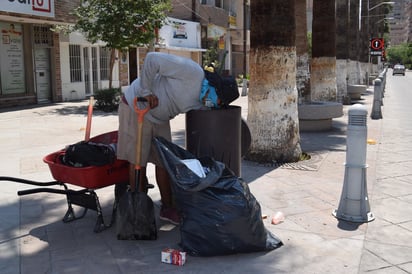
(135,218)
(84,154)
(220,215)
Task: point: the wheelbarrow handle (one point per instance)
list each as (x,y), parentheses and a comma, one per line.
(39,190)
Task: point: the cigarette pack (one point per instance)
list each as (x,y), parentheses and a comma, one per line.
(173,256)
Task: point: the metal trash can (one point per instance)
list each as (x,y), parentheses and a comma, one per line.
(216,133)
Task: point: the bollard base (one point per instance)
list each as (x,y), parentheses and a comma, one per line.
(369,217)
(354,202)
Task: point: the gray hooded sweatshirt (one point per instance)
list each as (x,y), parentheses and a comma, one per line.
(175,80)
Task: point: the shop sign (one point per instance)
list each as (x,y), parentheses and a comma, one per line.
(180,33)
(215,32)
(30,7)
(12,60)
(232,21)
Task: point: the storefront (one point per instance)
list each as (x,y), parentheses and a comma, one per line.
(39,65)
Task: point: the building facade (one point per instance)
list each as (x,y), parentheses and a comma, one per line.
(39,64)
(400,23)
(225,25)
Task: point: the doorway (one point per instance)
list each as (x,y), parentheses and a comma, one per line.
(42,74)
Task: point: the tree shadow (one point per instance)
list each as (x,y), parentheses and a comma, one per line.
(65,108)
(331,140)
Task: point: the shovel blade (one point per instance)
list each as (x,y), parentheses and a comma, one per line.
(135,218)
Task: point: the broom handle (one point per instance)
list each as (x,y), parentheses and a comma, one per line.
(89,119)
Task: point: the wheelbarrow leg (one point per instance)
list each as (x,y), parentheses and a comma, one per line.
(87,199)
(71,216)
(100,225)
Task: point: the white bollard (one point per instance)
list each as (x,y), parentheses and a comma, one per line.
(354,202)
(377,100)
(244,87)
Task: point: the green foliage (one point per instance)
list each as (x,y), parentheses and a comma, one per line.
(240,78)
(400,54)
(121,23)
(107,100)
(211,55)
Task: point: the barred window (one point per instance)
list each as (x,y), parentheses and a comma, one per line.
(42,36)
(104,63)
(75,63)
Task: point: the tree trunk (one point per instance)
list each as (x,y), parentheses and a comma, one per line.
(342,47)
(111,66)
(272,112)
(354,44)
(364,44)
(323,63)
(302,53)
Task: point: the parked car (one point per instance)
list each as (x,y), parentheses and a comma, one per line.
(398,69)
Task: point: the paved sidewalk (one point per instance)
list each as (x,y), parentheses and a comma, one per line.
(33,239)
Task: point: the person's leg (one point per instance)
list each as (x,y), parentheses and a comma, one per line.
(163,182)
(126,142)
(168,211)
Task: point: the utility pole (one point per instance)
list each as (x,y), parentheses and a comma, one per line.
(244,84)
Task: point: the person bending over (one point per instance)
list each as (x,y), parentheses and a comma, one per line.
(172,85)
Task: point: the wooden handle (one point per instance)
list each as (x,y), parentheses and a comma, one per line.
(139,137)
(89,119)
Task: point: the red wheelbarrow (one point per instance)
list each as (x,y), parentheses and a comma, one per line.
(89,178)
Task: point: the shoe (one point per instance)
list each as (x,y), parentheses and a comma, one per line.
(169,214)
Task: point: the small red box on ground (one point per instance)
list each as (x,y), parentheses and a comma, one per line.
(173,256)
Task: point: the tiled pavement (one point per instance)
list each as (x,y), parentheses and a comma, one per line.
(33,239)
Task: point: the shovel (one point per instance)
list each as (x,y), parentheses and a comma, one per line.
(135,218)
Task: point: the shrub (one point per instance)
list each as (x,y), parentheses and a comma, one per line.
(107,100)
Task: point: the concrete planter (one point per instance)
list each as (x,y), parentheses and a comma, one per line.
(355,91)
(317,116)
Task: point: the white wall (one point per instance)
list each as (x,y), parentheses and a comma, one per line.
(77,91)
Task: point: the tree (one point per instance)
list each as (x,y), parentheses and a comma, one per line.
(120,23)
(273,111)
(400,54)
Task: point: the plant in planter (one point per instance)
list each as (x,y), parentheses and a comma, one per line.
(108,99)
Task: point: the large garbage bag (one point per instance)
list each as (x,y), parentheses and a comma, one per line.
(220,215)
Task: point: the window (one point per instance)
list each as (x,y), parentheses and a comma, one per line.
(42,36)
(75,63)
(104,63)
